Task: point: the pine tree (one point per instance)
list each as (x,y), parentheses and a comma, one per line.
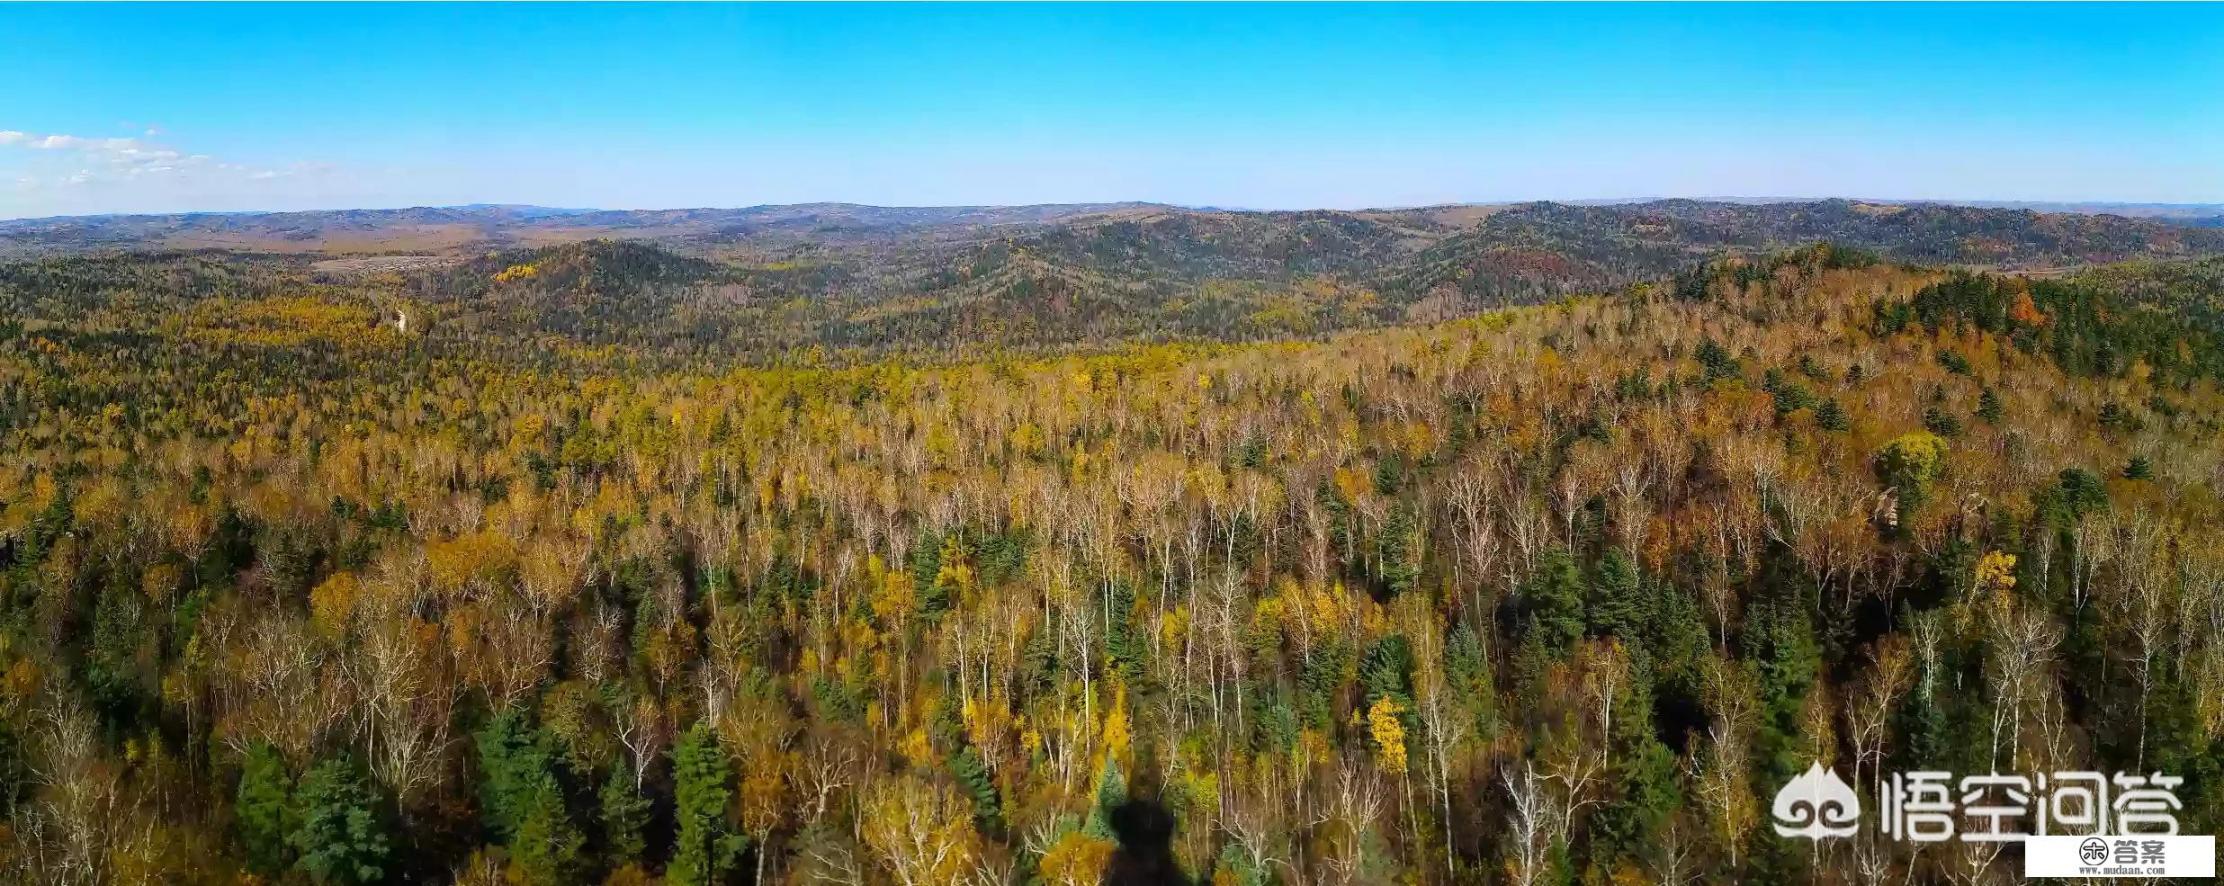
(926,566)
(1938,421)
(1320,683)
(1780,641)
(972,772)
(1399,549)
(1553,601)
(1643,774)
(1616,606)
(1386,675)
(265,797)
(1832,417)
(1676,640)
(1387,671)
(522,800)
(625,816)
(338,831)
(1989,408)
(1716,361)
(1467,670)
(1125,648)
(1274,726)
(512,759)
(2081,492)
(704,846)
(1111,795)
(1039,661)
(1921,727)
(546,846)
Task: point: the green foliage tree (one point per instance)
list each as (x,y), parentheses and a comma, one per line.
(1781,645)
(1235,868)
(546,845)
(1645,790)
(1832,417)
(1989,408)
(1399,549)
(1320,683)
(340,833)
(1111,795)
(1909,464)
(1938,421)
(1616,606)
(513,759)
(1716,361)
(1467,673)
(1553,602)
(625,817)
(523,800)
(972,773)
(263,808)
(706,845)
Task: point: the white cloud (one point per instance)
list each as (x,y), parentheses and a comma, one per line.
(45,173)
(99,160)
(75,143)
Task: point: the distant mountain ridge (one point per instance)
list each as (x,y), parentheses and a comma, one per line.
(478,227)
(844,274)
(759,279)
(442,228)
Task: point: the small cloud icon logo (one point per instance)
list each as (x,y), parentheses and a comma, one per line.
(1817,804)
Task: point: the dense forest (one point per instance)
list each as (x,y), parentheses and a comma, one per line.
(606,563)
(1450,259)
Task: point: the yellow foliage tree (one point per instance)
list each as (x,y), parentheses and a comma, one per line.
(1077,859)
(1388,733)
(1117,737)
(922,832)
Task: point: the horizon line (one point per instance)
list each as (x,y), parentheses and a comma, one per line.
(1972,202)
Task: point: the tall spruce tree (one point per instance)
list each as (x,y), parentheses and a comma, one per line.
(705,845)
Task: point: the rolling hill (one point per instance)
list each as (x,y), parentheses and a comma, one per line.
(604,534)
(764,280)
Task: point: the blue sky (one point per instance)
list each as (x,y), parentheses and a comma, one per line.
(170,107)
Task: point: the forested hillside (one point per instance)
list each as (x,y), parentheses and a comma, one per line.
(1445,258)
(600,563)
(831,281)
